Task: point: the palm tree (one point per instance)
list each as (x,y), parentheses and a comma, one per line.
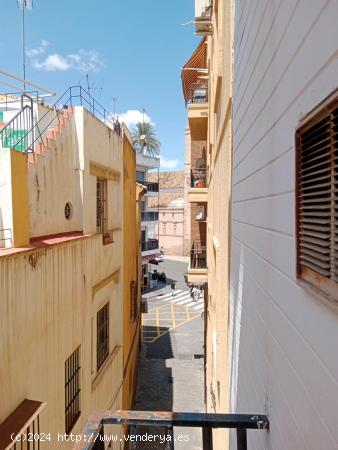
(145,139)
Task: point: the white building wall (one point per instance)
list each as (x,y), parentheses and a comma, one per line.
(284,338)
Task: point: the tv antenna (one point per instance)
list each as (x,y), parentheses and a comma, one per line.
(24,5)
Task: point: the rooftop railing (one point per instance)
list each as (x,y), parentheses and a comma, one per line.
(94,438)
(23,131)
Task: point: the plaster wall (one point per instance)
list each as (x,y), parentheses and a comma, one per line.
(283,337)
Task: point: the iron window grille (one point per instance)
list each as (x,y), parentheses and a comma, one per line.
(101,206)
(102,350)
(72,390)
(133,301)
(317,198)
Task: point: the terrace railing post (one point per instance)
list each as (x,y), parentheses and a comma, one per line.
(241,439)
(207,438)
(170,431)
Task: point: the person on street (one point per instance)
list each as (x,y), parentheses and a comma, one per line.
(173,288)
(195,293)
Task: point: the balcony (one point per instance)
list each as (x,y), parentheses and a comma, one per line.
(198,190)
(94,436)
(152,187)
(203,12)
(198,112)
(149,216)
(197,270)
(151,244)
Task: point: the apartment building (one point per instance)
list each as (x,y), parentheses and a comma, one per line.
(207,88)
(69,275)
(171,207)
(271,303)
(147,161)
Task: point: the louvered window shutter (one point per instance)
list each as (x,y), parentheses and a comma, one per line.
(317,198)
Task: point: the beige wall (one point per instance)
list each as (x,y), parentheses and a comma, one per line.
(50,294)
(171,229)
(218,228)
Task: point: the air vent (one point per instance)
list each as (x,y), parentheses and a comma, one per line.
(317,200)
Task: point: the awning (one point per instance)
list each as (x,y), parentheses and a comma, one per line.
(190,73)
(153,261)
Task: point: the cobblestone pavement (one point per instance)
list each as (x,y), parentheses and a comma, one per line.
(171,368)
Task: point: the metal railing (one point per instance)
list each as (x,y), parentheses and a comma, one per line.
(150,185)
(151,244)
(198,257)
(94,438)
(198,93)
(199,178)
(149,216)
(3,238)
(16,133)
(37,132)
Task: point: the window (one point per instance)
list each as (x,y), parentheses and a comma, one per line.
(133,301)
(72,390)
(101,206)
(102,350)
(317,199)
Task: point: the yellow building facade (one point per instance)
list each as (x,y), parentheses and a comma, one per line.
(68,280)
(207,86)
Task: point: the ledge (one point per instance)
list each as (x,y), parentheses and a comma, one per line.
(99,375)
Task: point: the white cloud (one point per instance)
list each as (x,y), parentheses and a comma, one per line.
(134,116)
(40,50)
(168,163)
(84,61)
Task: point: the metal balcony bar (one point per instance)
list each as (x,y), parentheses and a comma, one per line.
(198,93)
(151,244)
(198,178)
(149,216)
(93,435)
(198,258)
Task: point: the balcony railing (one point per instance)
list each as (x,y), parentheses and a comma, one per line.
(94,437)
(149,216)
(151,244)
(199,93)
(198,178)
(198,257)
(150,185)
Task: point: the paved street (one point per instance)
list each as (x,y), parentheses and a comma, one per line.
(171,366)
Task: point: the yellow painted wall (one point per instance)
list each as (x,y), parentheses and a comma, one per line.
(131,257)
(20,200)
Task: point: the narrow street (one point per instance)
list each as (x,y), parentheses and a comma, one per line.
(171,366)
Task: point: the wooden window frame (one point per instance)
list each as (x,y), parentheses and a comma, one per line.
(72,390)
(324,285)
(101,206)
(102,335)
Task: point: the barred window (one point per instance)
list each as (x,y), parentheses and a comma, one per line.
(102,335)
(72,390)
(317,199)
(133,301)
(101,206)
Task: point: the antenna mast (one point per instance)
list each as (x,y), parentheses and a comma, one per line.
(23,5)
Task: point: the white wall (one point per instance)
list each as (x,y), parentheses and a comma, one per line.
(284,339)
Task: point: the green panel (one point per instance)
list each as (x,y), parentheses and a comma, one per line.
(1,116)
(16,139)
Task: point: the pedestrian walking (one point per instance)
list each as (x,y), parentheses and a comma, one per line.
(173,288)
(195,292)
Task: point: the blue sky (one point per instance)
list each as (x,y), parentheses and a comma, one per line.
(132,49)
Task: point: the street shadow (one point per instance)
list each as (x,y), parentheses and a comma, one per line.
(154,384)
